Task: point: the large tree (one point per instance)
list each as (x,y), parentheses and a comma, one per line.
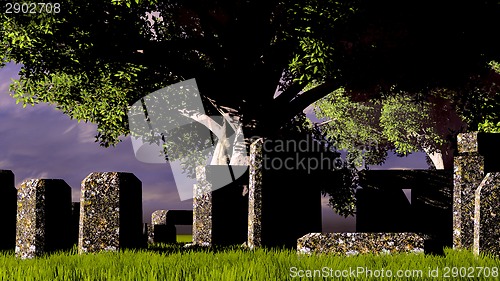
(95,59)
(261,62)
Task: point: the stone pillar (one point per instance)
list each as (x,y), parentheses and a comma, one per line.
(220,215)
(110,212)
(163,232)
(202,209)
(487,216)
(43,217)
(285,183)
(468,174)
(8,195)
(255,195)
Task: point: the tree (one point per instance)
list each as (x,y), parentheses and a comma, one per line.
(95,59)
(367,130)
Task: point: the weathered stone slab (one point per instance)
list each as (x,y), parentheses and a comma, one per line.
(286,178)
(478,155)
(468,174)
(110,212)
(487,216)
(202,209)
(360,243)
(255,195)
(220,215)
(8,209)
(43,217)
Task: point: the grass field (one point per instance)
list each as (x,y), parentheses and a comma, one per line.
(176,263)
(184,238)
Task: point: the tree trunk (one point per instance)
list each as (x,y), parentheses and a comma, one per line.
(441,161)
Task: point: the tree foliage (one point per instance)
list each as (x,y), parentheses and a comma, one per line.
(96,58)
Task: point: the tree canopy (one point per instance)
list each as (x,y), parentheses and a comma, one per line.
(95,59)
(262,62)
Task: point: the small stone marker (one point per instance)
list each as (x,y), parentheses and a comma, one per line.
(162,231)
(8,206)
(360,243)
(43,217)
(110,212)
(487,216)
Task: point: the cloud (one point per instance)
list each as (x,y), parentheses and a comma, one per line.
(42,142)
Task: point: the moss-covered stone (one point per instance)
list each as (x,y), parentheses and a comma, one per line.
(43,217)
(487,216)
(468,174)
(360,243)
(110,212)
(255,195)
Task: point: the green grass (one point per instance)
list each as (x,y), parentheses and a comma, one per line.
(175,263)
(184,238)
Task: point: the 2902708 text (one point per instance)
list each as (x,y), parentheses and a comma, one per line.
(31,8)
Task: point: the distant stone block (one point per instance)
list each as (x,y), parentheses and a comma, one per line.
(360,243)
(487,216)
(110,212)
(43,217)
(164,222)
(159,217)
(8,210)
(163,232)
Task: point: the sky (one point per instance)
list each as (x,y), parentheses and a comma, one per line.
(42,142)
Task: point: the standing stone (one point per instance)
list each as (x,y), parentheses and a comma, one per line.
(8,195)
(202,209)
(110,212)
(487,216)
(286,177)
(468,174)
(220,215)
(162,232)
(43,217)
(478,155)
(255,195)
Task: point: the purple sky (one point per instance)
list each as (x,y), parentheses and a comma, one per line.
(42,142)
